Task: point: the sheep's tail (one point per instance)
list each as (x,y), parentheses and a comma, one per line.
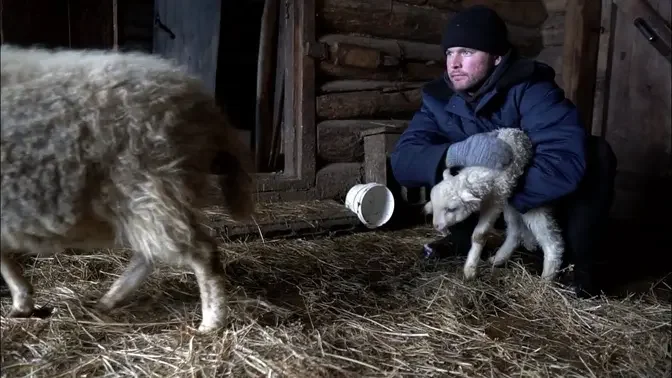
(235,166)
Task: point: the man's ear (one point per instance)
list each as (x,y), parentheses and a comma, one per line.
(468,196)
(428,208)
(446,174)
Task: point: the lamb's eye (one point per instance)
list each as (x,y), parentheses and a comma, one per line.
(451,209)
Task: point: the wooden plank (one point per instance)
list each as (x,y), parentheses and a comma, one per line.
(638,121)
(579,63)
(392,19)
(276,220)
(334,180)
(652,25)
(603,69)
(263,130)
(338,86)
(408,50)
(305,91)
(409,72)
(368,104)
(188,32)
(339,141)
(530,13)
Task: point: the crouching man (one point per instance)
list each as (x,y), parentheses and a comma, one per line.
(485,87)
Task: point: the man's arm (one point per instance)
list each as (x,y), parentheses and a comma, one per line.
(419,156)
(552,122)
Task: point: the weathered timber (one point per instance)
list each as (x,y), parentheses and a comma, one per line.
(345,54)
(529,13)
(392,19)
(264,117)
(637,119)
(368,85)
(579,62)
(367,104)
(339,141)
(553,56)
(553,32)
(603,69)
(407,50)
(409,72)
(194,38)
(334,180)
(652,26)
(321,216)
(378,142)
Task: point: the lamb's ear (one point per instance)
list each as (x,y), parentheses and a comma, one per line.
(467,196)
(428,208)
(446,174)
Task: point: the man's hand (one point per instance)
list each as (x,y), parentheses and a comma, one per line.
(483,149)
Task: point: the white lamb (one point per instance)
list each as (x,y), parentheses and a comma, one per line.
(105,149)
(477,188)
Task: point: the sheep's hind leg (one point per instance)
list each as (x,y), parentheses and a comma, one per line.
(514,225)
(23,305)
(135,274)
(209,272)
(549,236)
(485,223)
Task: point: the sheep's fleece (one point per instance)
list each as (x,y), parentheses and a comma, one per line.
(102,149)
(487,190)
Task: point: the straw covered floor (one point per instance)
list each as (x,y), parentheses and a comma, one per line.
(355,305)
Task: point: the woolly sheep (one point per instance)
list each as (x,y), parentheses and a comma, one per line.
(103,149)
(478,188)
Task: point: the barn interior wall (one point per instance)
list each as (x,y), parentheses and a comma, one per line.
(358,88)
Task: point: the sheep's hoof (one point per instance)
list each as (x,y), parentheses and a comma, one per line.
(470,271)
(214,318)
(21,312)
(495,262)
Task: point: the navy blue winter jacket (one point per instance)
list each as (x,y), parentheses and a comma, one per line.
(520,93)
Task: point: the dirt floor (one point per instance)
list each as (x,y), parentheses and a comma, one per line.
(355,305)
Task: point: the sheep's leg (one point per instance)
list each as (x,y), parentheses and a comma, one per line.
(135,274)
(514,225)
(549,237)
(209,272)
(485,223)
(21,290)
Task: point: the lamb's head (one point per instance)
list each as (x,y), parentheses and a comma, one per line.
(451,201)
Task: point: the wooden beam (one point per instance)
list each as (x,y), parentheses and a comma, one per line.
(579,62)
(189,33)
(651,25)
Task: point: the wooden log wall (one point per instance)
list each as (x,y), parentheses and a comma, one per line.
(377,54)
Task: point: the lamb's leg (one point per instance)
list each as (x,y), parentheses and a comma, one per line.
(548,235)
(135,274)
(486,221)
(23,304)
(209,271)
(514,225)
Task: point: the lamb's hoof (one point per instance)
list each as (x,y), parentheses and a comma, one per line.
(205,328)
(214,319)
(104,305)
(495,262)
(470,272)
(21,312)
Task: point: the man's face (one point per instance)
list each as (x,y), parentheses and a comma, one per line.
(468,68)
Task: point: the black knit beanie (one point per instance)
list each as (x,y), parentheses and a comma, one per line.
(477,27)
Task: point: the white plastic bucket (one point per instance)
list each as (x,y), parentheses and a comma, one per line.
(373,203)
